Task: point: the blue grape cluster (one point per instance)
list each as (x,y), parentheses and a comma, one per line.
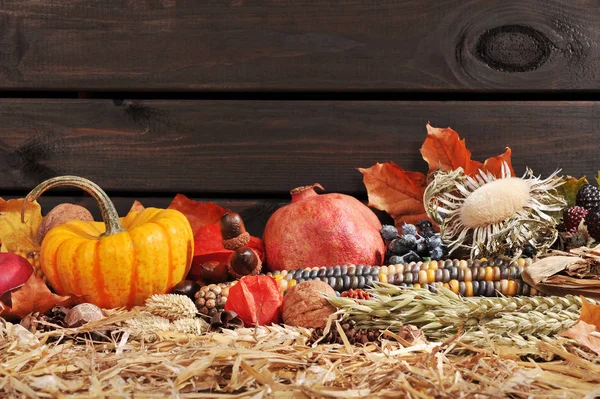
(416,242)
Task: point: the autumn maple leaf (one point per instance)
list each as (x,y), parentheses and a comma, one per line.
(588,323)
(400,193)
(444,150)
(395,191)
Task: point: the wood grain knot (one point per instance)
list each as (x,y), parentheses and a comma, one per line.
(514,48)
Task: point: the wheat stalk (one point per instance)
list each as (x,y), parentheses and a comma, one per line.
(516,320)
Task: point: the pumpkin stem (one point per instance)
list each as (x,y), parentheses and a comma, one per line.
(107,208)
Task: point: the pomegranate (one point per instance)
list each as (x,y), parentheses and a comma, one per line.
(322,230)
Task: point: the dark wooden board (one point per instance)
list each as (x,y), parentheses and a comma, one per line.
(262,149)
(255,212)
(216,45)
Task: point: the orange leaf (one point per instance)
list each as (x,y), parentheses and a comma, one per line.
(33,296)
(395,191)
(444,150)
(137,206)
(494,164)
(581,332)
(590,313)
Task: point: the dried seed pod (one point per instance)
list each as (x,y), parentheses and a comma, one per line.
(244,262)
(82,314)
(233,231)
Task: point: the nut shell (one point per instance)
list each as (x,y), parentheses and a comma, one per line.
(60,214)
(305,306)
(82,314)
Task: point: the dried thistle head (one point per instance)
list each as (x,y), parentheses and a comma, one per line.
(491,216)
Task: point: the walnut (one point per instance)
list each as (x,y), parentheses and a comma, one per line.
(305,306)
(82,314)
(60,214)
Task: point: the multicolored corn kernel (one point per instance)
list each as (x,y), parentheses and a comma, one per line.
(480,277)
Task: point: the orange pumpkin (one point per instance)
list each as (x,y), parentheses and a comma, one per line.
(119,262)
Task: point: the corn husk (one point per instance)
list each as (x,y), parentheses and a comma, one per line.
(576,272)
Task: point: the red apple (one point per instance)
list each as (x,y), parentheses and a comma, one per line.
(15,270)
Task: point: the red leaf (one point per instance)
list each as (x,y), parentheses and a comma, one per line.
(256,299)
(204,218)
(199,214)
(33,296)
(444,150)
(494,164)
(396,191)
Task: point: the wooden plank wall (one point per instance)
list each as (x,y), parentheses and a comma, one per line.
(241,100)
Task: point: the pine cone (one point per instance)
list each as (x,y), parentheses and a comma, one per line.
(356,294)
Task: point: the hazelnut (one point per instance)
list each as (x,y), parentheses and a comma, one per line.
(305,306)
(60,214)
(186,287)
(244,262)
(82,314)
(233,231)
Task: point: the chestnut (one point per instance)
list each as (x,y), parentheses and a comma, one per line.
(186,287)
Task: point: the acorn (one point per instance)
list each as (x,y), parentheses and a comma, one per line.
(233,231)
(186,287)
(244,262)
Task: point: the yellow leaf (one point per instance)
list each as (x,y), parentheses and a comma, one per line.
(16,236)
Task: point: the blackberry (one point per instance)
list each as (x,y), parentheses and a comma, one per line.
(592,221)
(389,232)
(588,197)
(572,218)
(409,229)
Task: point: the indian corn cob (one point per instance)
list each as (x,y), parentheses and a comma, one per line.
(468,278)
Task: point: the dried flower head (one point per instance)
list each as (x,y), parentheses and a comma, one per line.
(195,326)
(171,306)
(489,215)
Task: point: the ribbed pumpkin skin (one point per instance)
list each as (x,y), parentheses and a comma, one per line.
(122,270)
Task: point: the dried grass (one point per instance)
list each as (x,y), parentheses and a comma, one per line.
(276,362)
